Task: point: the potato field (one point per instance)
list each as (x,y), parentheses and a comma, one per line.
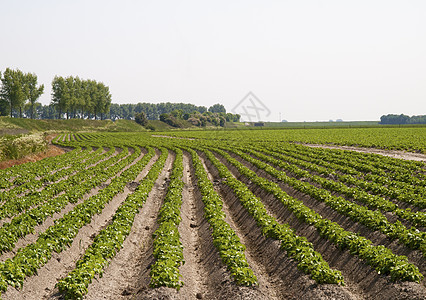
(248,214)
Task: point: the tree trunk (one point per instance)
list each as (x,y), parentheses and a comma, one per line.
(20,112)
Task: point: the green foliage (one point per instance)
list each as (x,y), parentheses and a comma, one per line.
(14,147)
(366,188)
(392,138)
(141,119)
(18,125)
(217,108)
(80,98)
(356,244)
(309,261)
(167,247)
(231,250)
(402,119)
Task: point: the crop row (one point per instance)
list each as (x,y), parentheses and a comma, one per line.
(296,247)
(376,184)
(15,205)
(412,237)
(34,183)
(230,249)
(379,257)
(396,170)
(109,240)
(60,235)
(167,247)
(354,191)
(20,174)
(25,223)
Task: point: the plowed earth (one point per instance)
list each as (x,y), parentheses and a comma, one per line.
(204,275)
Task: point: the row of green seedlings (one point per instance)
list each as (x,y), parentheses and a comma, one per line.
(167,247)
(110,240)
(364,169)
(25,223)
(65,137)
(16,205)
(376,184)
(298,248)
(392,168)
(226,241)
(21,178)
(379,257)
(9,175)
(373,219)
(61,137)
(362,164)
(33,184)
(354,191)
(97,140)
(59,236)
(20,174)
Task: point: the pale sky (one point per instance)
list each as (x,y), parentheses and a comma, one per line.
(306,60)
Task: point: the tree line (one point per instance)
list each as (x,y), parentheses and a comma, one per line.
(19,92)
(72,97)
(402,119)
(78,98)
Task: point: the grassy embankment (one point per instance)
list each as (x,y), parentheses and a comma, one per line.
(21,137)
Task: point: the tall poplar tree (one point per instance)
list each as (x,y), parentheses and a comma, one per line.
(33,92)
(14,90)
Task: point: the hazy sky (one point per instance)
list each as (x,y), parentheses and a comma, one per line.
(308,60)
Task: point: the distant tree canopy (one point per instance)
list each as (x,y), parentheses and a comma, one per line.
(402,119)
(79,98)
(152,111)
(19,93)
(217,108)
(198,119)
(73,97)
(141,119)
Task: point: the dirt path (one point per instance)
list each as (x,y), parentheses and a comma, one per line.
(128,272)
(391,153)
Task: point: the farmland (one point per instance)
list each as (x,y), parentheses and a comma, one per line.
(221,214)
